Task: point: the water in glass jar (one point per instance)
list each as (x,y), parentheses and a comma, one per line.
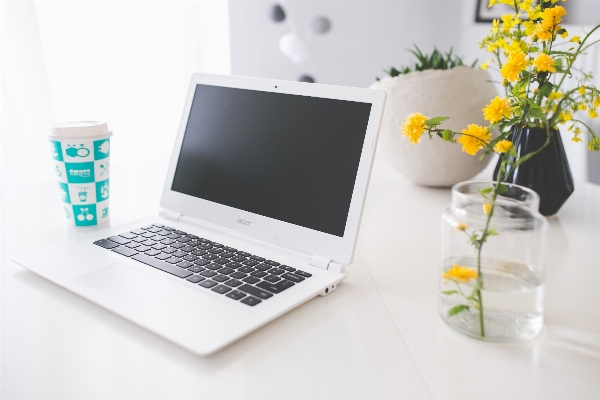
(512,298)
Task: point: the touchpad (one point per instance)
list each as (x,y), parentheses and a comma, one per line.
(122,282)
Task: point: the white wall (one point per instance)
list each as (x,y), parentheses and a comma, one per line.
(368,36)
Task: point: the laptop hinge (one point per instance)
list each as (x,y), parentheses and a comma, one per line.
(325,263)
(170,215)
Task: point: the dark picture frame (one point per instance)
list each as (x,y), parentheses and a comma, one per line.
(485,14)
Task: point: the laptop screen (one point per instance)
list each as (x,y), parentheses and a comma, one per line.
(288,157)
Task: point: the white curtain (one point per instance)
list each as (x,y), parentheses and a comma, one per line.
(127,63)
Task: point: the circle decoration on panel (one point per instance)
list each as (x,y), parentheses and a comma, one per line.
(321,25)
(277,14)
(438,81)
(307,79)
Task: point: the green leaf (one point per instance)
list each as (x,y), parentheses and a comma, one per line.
(449,292)
(493,232)
(501,189)
(457,309)
(486,190)
(447,135)
(524,158)
(546,89)
(435,121)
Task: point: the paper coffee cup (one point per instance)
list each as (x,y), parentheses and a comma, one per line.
(81,153)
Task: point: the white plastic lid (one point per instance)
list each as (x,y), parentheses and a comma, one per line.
(79,129)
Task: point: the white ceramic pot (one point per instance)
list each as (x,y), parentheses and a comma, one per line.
(460,93)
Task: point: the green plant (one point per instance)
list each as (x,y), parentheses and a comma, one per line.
(436,60)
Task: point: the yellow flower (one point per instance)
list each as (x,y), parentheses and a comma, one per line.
(554,14)
(485,65)
(514,65)
(545,29)
(526,5)
(495,26)
(463,274)
(581,90)
(496,110)
(529,27)
(564,34)
(564,117)
(492,2)
(597,102)
(582,107)
(592,113)
(594,144)
(487,208)
(509,21)
(544,63)
(503,146)
(474,138)
(554,96)
(575,39)
(461,227)
(413,127)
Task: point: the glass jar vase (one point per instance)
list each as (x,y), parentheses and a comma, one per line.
(492,271)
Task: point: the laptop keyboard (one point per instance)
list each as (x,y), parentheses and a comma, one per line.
(236,274)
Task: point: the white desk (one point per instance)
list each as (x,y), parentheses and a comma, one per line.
(377,337)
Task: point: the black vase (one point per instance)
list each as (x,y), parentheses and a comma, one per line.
(547,173)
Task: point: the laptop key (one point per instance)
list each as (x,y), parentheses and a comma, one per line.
(126,251)
(163,233)
(235,294)
(246,270)
(302,273)
(196,269)
(179,253)
(162,256)
(201,262)
(139,239)
(154,229)
(271,262)
(158,225)
(229,249)
(207,273)
(215,250)
(190,257)
(222,261)
(147,227)
(220,278)
(233,283)
(289,269)
(251,262)
(153,252)
(226,271)
(258,274)
(181,233)
(119,239)
(234,265)
(159,246)
(147,234)
(216,244)
(271,278)
(213,266)
(292,277)
(226,255)
(199,252)
(142,248)
(169,250)
(107,244)
(254,291)
(138,231)
(210,257)
(177,245)
(184,239)
(149,242)
(184,264)
(251,280)
(192,236)
(238,258)
(243,254)
(204,247)
(128,235)
(263,267)
(163,266)
(173,260)
(133,245)
(277,271)
(238,275)
(168,228)
(277,287)
(195,278)
(208,283)
(251,301)
(167,241)
(221,289)
(174,236)
(257,258)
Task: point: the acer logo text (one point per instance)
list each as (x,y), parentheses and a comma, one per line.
(243,221)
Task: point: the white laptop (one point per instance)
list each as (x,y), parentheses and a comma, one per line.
(260,213)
